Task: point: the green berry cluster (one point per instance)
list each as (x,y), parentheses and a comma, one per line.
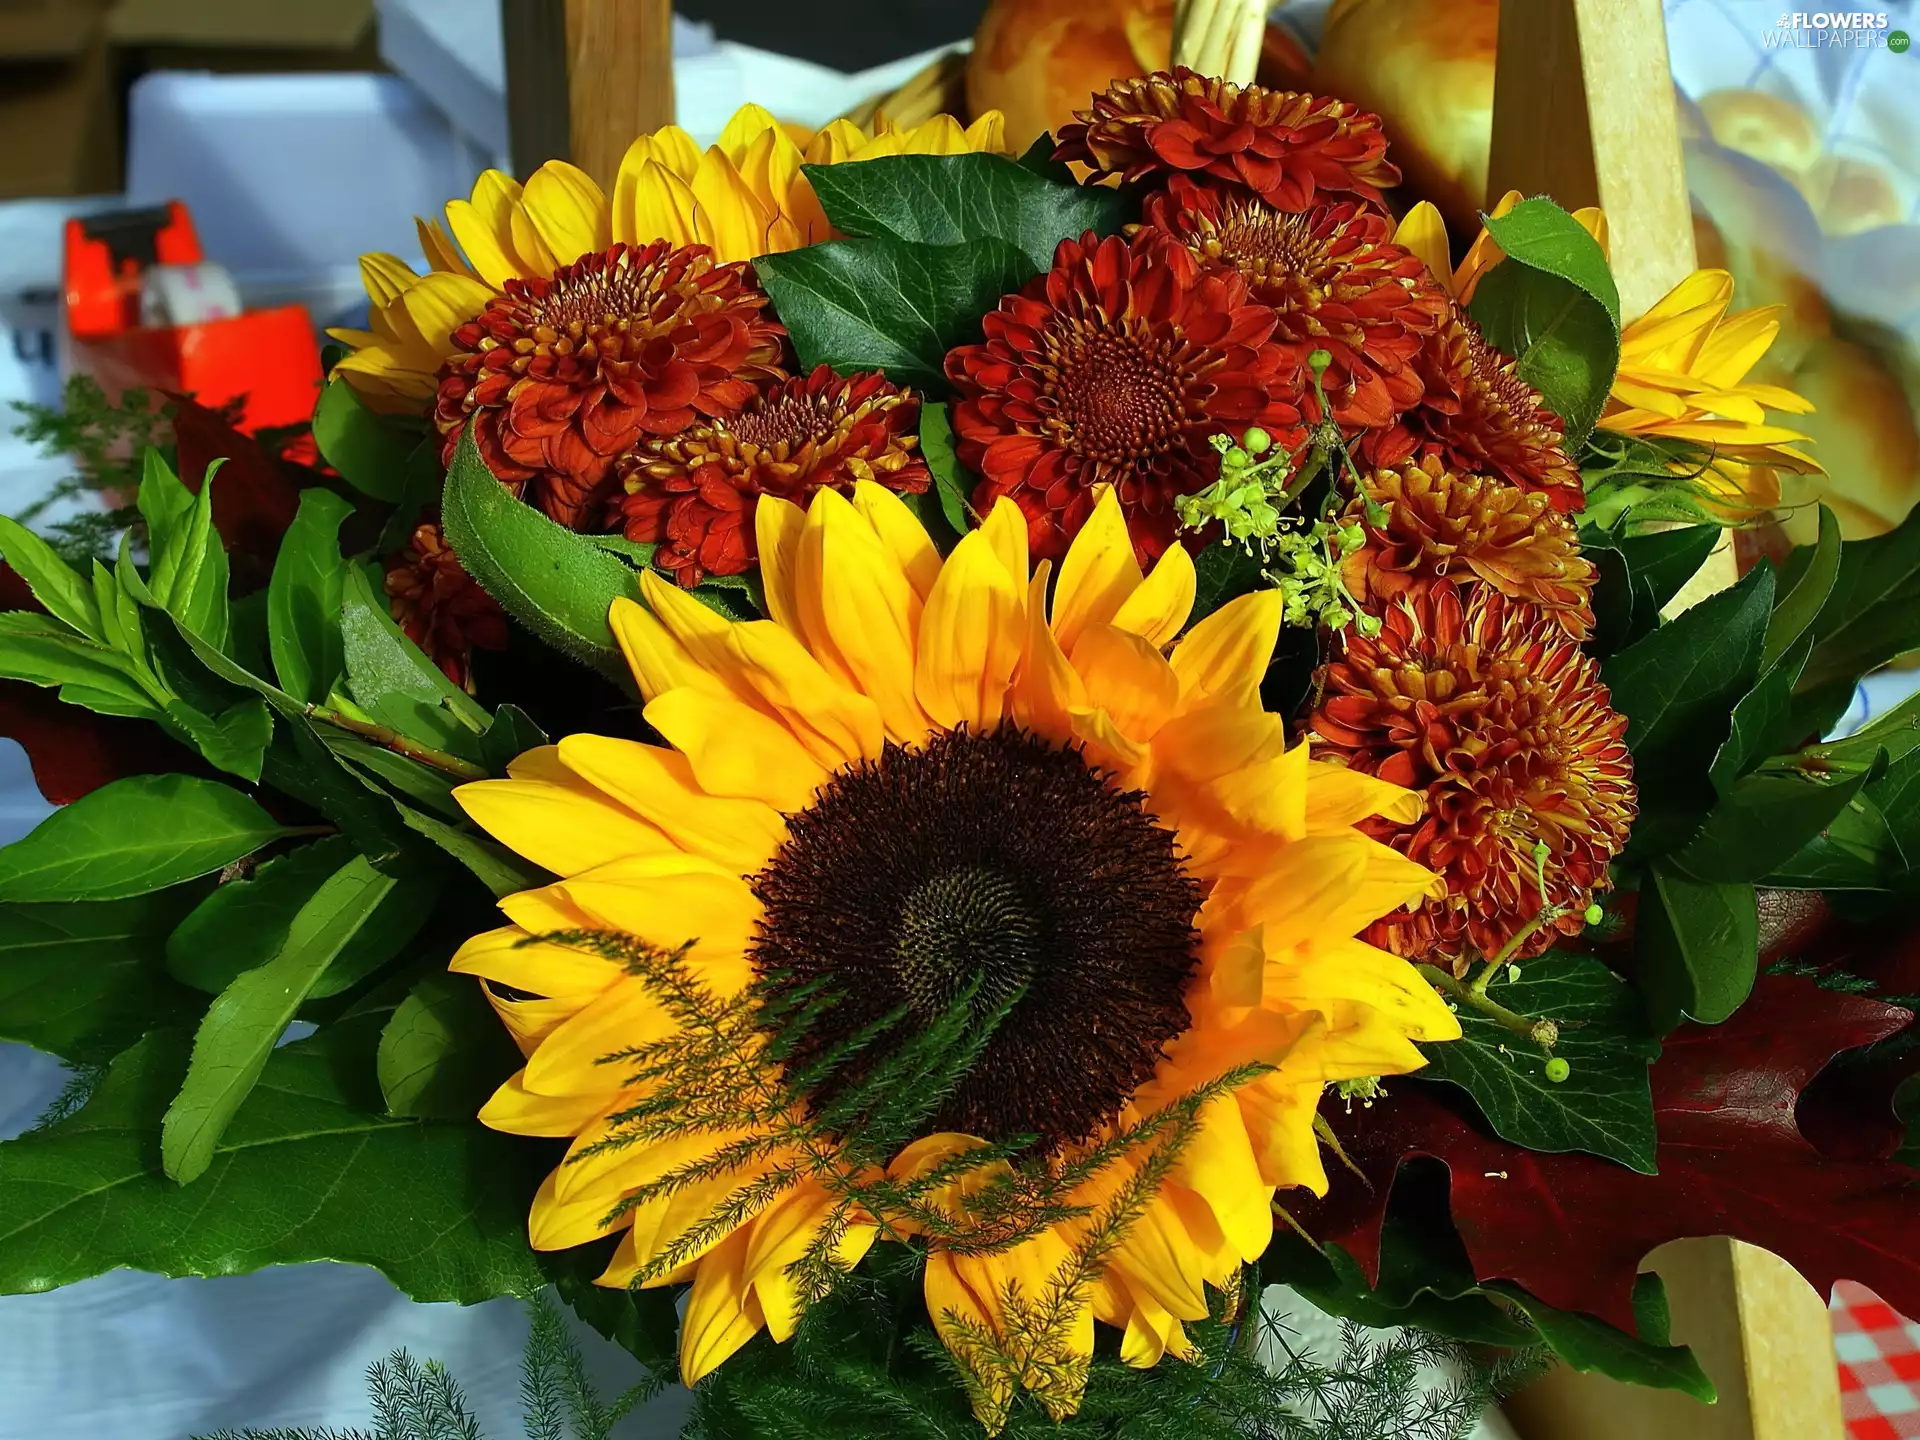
(1245,499)
(1307,575)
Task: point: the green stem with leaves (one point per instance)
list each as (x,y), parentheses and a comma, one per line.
(388,738)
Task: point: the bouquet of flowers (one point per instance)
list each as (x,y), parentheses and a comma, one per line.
(910,772)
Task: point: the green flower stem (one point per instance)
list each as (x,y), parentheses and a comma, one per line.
(389,739)
(1475,997)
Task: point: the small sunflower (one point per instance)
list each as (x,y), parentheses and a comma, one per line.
(695,492)
(1279,146)
(1492,709)
(440,607)
(1425,523)
(1337,284)
(744,197)
(1116,367)
(917,780)
(558,376)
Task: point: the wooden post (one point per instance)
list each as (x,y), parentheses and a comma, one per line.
(584,77)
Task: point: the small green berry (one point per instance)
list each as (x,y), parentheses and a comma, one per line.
(1235,460)
(1594,915)
(1256,441)
(1557,1071)
(1318,362)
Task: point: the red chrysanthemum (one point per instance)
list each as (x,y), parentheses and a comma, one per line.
(695,492)
(1478,416)
(1281,146)
(1115,367)
(1424,524)
(1495,711)
(1337,282)
(558,376)
(440,607)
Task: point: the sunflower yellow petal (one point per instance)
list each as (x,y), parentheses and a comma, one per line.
(660,1222)
(1338,798)
(722,1314)
(1223,658)
(834,142)
(1127,677)
(568,209)
(562,827)
(529,1022)
(658,660)
(660,205)
(385,277)
(506,957)
(670,901)
(987,134)
(972,635)
(1352,970)
(483,227)
(736,750)
(1270,796)
(901,532)
(1159,608)
(569,1061)
(866,608)
(659,786)
(1006,530)
(1162,1261)
(438,304)
(1425,234)
(744,126)
(836,725)
(559,1223)
(784,1234)
(437,245)
(777,527)
(1330,885)
(530,245)
(516,1110)
(737,218)
(1278,1115)
(1218,1165)
(1098,573)
(1047,689)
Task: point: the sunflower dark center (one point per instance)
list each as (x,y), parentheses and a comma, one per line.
(1002,870)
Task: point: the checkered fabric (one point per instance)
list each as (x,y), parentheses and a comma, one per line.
(1879,1355)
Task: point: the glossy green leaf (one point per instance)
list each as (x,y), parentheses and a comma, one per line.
(373,453)
(957,199)
(444,1051)
(1332,1282)
(1696,947)
(304,599)
(496,867)
(187,576)
(1872,613)
(887,305)
(1763,720)
(42,651)
(1666,560)
(1762,821)
(1589,1344)
(554,582)
(1540,235)
(68,595)
(644,1323)
(1604,1107)
(1857,851)
(1807,597)
(165,504)
(511,734)
(953,482)
(132,837)
(309,1169)
(86,979)
(248,1018)
(1222,572)
(299,764)
(397,684)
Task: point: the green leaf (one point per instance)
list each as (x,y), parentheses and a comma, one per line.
(1697,947)
(85,980)
(188,574)
(1872,613)
(1762,821)
(1222,572)
(1858,851)
(1666,560)
(304,599)
(1553,307)
(298,763)
(307,1170)
(644,1323)
(1802,604)
(41,651)
(66,593)
(132,837)
(511,735)
(395,683)
(952,481)
(1590,1344)
(373,454)
(444,1051)
(954,199)
(386,772)
(248,1018)
(1678,687)
(165,504)
(496,867)
(1604,1107)
(1763,720)
(554,582)
(887,305)
(1333,1282)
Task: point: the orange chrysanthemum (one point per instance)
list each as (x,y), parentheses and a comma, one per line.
(1281,146)
(440,607)
(696,492)
(1337,282)
(1115,367)
(558,376)
(1479,417)
(1425,523)
(1495,711)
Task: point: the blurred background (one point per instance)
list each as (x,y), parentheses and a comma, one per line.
(299,134)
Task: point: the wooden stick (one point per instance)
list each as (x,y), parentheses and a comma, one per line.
(584,78)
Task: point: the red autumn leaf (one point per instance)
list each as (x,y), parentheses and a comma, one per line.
(255,497)
(74,751)
(1573,1228)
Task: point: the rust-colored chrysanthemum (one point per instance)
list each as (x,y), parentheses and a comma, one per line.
(1282,146)
(695,492)
(440,607)
(1492,708)
(1479,417)
(558,376)
(1436,524)
(1115,367)
(1337,282)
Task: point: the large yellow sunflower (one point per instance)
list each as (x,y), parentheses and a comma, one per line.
(918,777)
(745,196)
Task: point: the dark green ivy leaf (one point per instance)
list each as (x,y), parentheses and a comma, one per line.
(1763,820)
(1697,947)
(952,481)
(1814,571)
(1872,612)
(1222,572)
(395,683)
(1590,1344)
(375,454)
(444,1051)
(1763,720)
(889,305)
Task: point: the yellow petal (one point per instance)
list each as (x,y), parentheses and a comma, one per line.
(572,1060)
(483,226)
(777,526)
(987,134)
(736,750)
(1222,659)
(901,532)
(1270,796)
(1338,797)
(1330,885)
(1425,234)
(660,205)
(658,660)
(834,142)
(737,218)
(1128,678)
(721,1314)
(658,785)
(1218,1165)
(562,827)
(1006,530)
(1047,689)
(506,957)
(557,1222)
(971,638)
(438,304)
(746,125)
(661,1221)
(670,901)
(1162,1261)
(1098,574)
(1352,970)
(836,725)
(865,607)
(781,1236)
(438,247)
(1278,1114)
(1156,611)
(568,209)
(385,277)
(516,1110)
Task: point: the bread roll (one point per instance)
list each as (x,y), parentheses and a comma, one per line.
(1773,131)
(1038,61)
(1863,433)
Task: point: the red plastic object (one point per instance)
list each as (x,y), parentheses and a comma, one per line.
(271,357)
